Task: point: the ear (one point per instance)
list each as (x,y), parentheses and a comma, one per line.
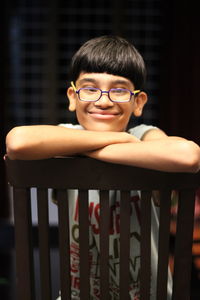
(72,99)
(139,103)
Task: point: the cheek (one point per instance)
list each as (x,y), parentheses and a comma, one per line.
(128,109)
(81,119)
(81,112)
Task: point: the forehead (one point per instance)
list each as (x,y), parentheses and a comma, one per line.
(103,79)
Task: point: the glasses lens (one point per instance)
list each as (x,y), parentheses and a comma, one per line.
(120,95)
(89,94)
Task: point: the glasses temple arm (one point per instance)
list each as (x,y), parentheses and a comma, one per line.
(72,84)
(136,92)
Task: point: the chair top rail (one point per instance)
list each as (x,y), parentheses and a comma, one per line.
(88,173)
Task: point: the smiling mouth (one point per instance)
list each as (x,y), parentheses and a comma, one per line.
(103,115)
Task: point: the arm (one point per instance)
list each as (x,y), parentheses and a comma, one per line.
(155,151)
(45,141)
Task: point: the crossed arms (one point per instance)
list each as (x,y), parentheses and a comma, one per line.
(155,151)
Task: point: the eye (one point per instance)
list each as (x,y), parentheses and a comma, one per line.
(119,91)
(90,90)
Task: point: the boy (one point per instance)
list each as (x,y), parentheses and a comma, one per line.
(108,76)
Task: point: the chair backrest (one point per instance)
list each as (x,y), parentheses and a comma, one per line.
(87,174)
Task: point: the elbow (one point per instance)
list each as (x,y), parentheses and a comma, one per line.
(191,157)
(15,143)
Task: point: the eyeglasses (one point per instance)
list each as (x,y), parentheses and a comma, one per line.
(91,94)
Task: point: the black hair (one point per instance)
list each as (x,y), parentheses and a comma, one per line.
(109,54)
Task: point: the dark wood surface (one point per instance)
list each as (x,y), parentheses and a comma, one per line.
(85,173)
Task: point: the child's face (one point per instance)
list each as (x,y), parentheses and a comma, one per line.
(105,115)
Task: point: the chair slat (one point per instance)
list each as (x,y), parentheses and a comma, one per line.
(23,245)
(104,244)
(124,245)
(145,245)
(44,249)
(64,246)
(163,244)
(84,245)
(183,245)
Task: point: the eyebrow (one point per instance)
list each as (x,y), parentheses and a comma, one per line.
(92,80)
(87,80)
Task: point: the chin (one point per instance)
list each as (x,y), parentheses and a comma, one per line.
(103,126)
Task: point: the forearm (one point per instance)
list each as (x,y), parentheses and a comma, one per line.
(173,155)
(45,141)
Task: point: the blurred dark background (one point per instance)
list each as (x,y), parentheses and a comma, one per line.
(37,41)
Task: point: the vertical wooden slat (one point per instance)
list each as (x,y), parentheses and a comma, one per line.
(64,244)
(183,245)
(23,245)
(163,244)
(44,249)
(124,245)
(104,244)
(145,276)
(84,245)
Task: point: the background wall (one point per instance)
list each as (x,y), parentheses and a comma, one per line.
(180,63)
(43,37)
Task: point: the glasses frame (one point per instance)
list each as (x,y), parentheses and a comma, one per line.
(103,92)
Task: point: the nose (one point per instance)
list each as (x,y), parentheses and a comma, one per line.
(104,101)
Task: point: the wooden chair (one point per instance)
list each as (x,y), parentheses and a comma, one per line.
(86,174)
